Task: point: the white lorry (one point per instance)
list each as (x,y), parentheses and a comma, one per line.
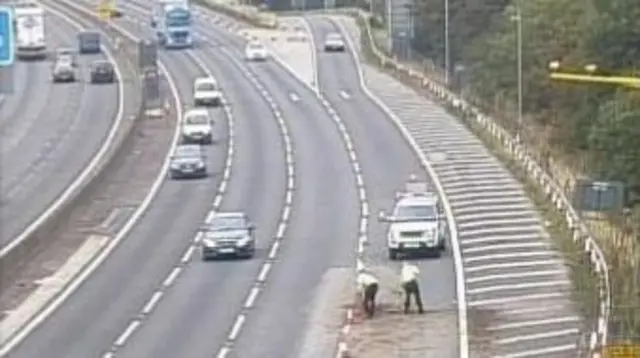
(30,33)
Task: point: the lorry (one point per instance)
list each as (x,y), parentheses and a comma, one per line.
(29,29)
(172,20)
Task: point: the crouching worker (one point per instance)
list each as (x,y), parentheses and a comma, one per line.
(368,288)
(410,286)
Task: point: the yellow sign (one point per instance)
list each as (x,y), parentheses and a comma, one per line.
(106,9)
(623,350)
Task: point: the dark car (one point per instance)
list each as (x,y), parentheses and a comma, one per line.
(188,161)
(89,42)
(102,71)
(229,234)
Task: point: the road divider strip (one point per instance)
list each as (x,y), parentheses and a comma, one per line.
(66,290)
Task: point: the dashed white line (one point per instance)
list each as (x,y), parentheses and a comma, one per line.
(172,276)
(251,299)
(274,250)
(153,301)
(237,326)
(122,339)
(188,254)
(264,271)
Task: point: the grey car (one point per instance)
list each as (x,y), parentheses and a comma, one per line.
(229,234)
(102,72)
(64,71)
(188,161)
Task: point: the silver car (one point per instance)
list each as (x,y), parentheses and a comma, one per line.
(188,161)
(229,234)
(64,70)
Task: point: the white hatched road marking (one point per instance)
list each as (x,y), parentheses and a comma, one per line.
(504,245)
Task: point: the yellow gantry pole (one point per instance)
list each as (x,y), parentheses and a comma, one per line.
(587,76)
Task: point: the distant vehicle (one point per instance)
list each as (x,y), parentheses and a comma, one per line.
(206,92)
(188,161)
(197,127)
(30,32)
(417,225)
(228,234)
(66,54)
(64,70)
(102,71)
(172,20)
(255,51)
(334,43)
(89,42)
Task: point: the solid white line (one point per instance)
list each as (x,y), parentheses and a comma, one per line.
(542,322)
(518,275)
(542,352)
(152,302)
(512,265)
(172,276)
(187,255)
(512,299)
(513,255)
(518,286)
(493,239)
(131,328)
(539,244)
(251,298)
(237,326)
(264,271)
(533,337)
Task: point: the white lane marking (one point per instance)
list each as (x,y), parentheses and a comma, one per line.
(518,286)
(188,254)
(543,352)
(274,250)
(72,286)
(533,337)
(461,297)
(251,298)
(542,322)
(153,301)
(516,275)
(511,255)
(344,95)
(294,97)
(512,299)
(264,271)
(493,239)
(512,265)
(172,276)
(537,244)
(223,352)
(237,326)
(122,339)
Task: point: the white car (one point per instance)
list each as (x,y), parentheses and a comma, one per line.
(417,225)
(206,92)
(197,127)
(334,42)
(255,51)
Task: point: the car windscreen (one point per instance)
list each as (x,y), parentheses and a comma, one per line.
(206,87)
(227,223)
(255,47)
(197,119)
(416,212)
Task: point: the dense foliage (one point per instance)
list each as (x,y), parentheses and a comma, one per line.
(598,124)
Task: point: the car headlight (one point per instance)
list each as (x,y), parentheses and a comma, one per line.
(209,243)
(200,164)
(244,241)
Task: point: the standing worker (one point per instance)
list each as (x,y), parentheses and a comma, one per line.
(368,288)
(410,286)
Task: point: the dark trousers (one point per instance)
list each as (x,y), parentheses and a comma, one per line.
(411,289)
(369,299)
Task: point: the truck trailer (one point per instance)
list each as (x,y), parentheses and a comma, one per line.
(172,20)
(29,28)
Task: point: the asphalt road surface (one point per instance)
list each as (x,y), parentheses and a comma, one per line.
(48,132)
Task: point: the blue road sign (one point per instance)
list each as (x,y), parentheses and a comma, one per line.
(7,41)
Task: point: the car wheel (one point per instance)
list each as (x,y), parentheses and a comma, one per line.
(393,255)
(442,246)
